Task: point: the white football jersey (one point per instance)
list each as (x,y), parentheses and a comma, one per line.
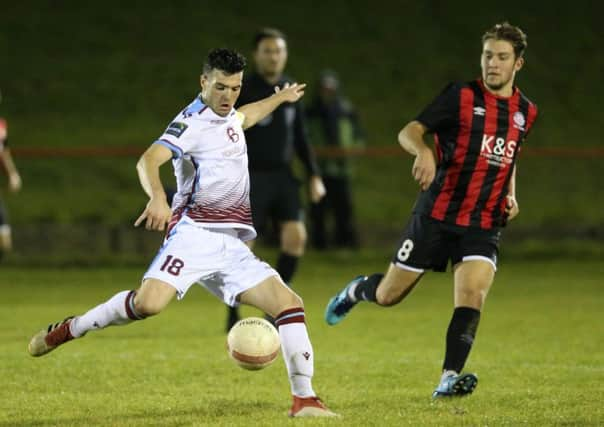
(210,165)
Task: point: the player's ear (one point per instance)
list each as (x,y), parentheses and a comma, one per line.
(519,63)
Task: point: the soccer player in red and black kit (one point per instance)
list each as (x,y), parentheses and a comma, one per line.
(271,145)
(467,196)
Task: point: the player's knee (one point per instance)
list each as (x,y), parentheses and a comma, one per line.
(471,297)
(5,239)
(147,307)
(296,301)
(292,300)
(387,297)
(293,238)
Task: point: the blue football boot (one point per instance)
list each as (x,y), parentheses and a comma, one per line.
(455,386)
(339,306)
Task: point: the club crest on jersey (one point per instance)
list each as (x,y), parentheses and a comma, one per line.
(176,129)
(519,120)
(232,134)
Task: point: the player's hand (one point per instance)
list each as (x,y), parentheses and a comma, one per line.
(317,189)
(157,213)
(290,92)
(424,168)
(14,183)
(511,207)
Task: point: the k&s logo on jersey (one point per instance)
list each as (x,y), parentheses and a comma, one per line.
(497,151)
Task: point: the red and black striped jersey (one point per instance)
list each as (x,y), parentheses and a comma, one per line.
(477,136)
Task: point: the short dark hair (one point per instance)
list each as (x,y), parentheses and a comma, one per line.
(226,60)
(267,33)
(506,31)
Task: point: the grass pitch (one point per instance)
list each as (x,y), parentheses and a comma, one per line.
(539,353)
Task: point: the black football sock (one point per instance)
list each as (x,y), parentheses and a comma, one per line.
(232,317)
(286,266)
(460,336)
(366,290)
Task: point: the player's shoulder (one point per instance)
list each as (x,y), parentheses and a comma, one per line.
(188,119)
(194,110)
(453,88)
(526,99)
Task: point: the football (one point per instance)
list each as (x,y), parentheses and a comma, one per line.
(253,343)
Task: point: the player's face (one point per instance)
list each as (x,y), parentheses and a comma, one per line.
(220,91)
(271,57)
(499,65)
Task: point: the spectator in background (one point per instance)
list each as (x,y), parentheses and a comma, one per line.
(333,123)
(14,184)
(272,145)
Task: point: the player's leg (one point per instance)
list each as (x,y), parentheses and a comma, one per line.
(384,290)
(6,243)
(261,193)
(276,299)
(474,272)
(293,236)
(173,270)
(293,242)
(418,250)
(121,309)
(246,279)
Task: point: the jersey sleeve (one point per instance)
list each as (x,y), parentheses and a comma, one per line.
(301,143)
(443,110)
(179,137)
(530,122)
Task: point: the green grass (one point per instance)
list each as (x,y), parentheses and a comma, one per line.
(538,353)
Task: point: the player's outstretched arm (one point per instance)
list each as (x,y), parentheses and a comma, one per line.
(511,206)
(256,111)
(14,179)
(411,138)
(157,213)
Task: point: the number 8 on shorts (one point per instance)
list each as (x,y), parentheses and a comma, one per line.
(405,251)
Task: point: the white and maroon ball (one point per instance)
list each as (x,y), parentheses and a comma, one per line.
(253,343)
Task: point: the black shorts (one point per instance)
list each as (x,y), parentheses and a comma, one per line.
(429,244)
(274,195)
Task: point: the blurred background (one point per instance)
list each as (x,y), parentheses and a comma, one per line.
(86,87)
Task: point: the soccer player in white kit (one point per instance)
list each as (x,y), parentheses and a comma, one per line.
(207,225)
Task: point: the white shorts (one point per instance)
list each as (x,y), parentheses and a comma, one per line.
(212,257)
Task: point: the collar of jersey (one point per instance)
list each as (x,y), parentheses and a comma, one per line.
(208,114)
(486,92)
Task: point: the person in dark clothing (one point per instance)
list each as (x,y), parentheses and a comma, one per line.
(333,123)
(274,191)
